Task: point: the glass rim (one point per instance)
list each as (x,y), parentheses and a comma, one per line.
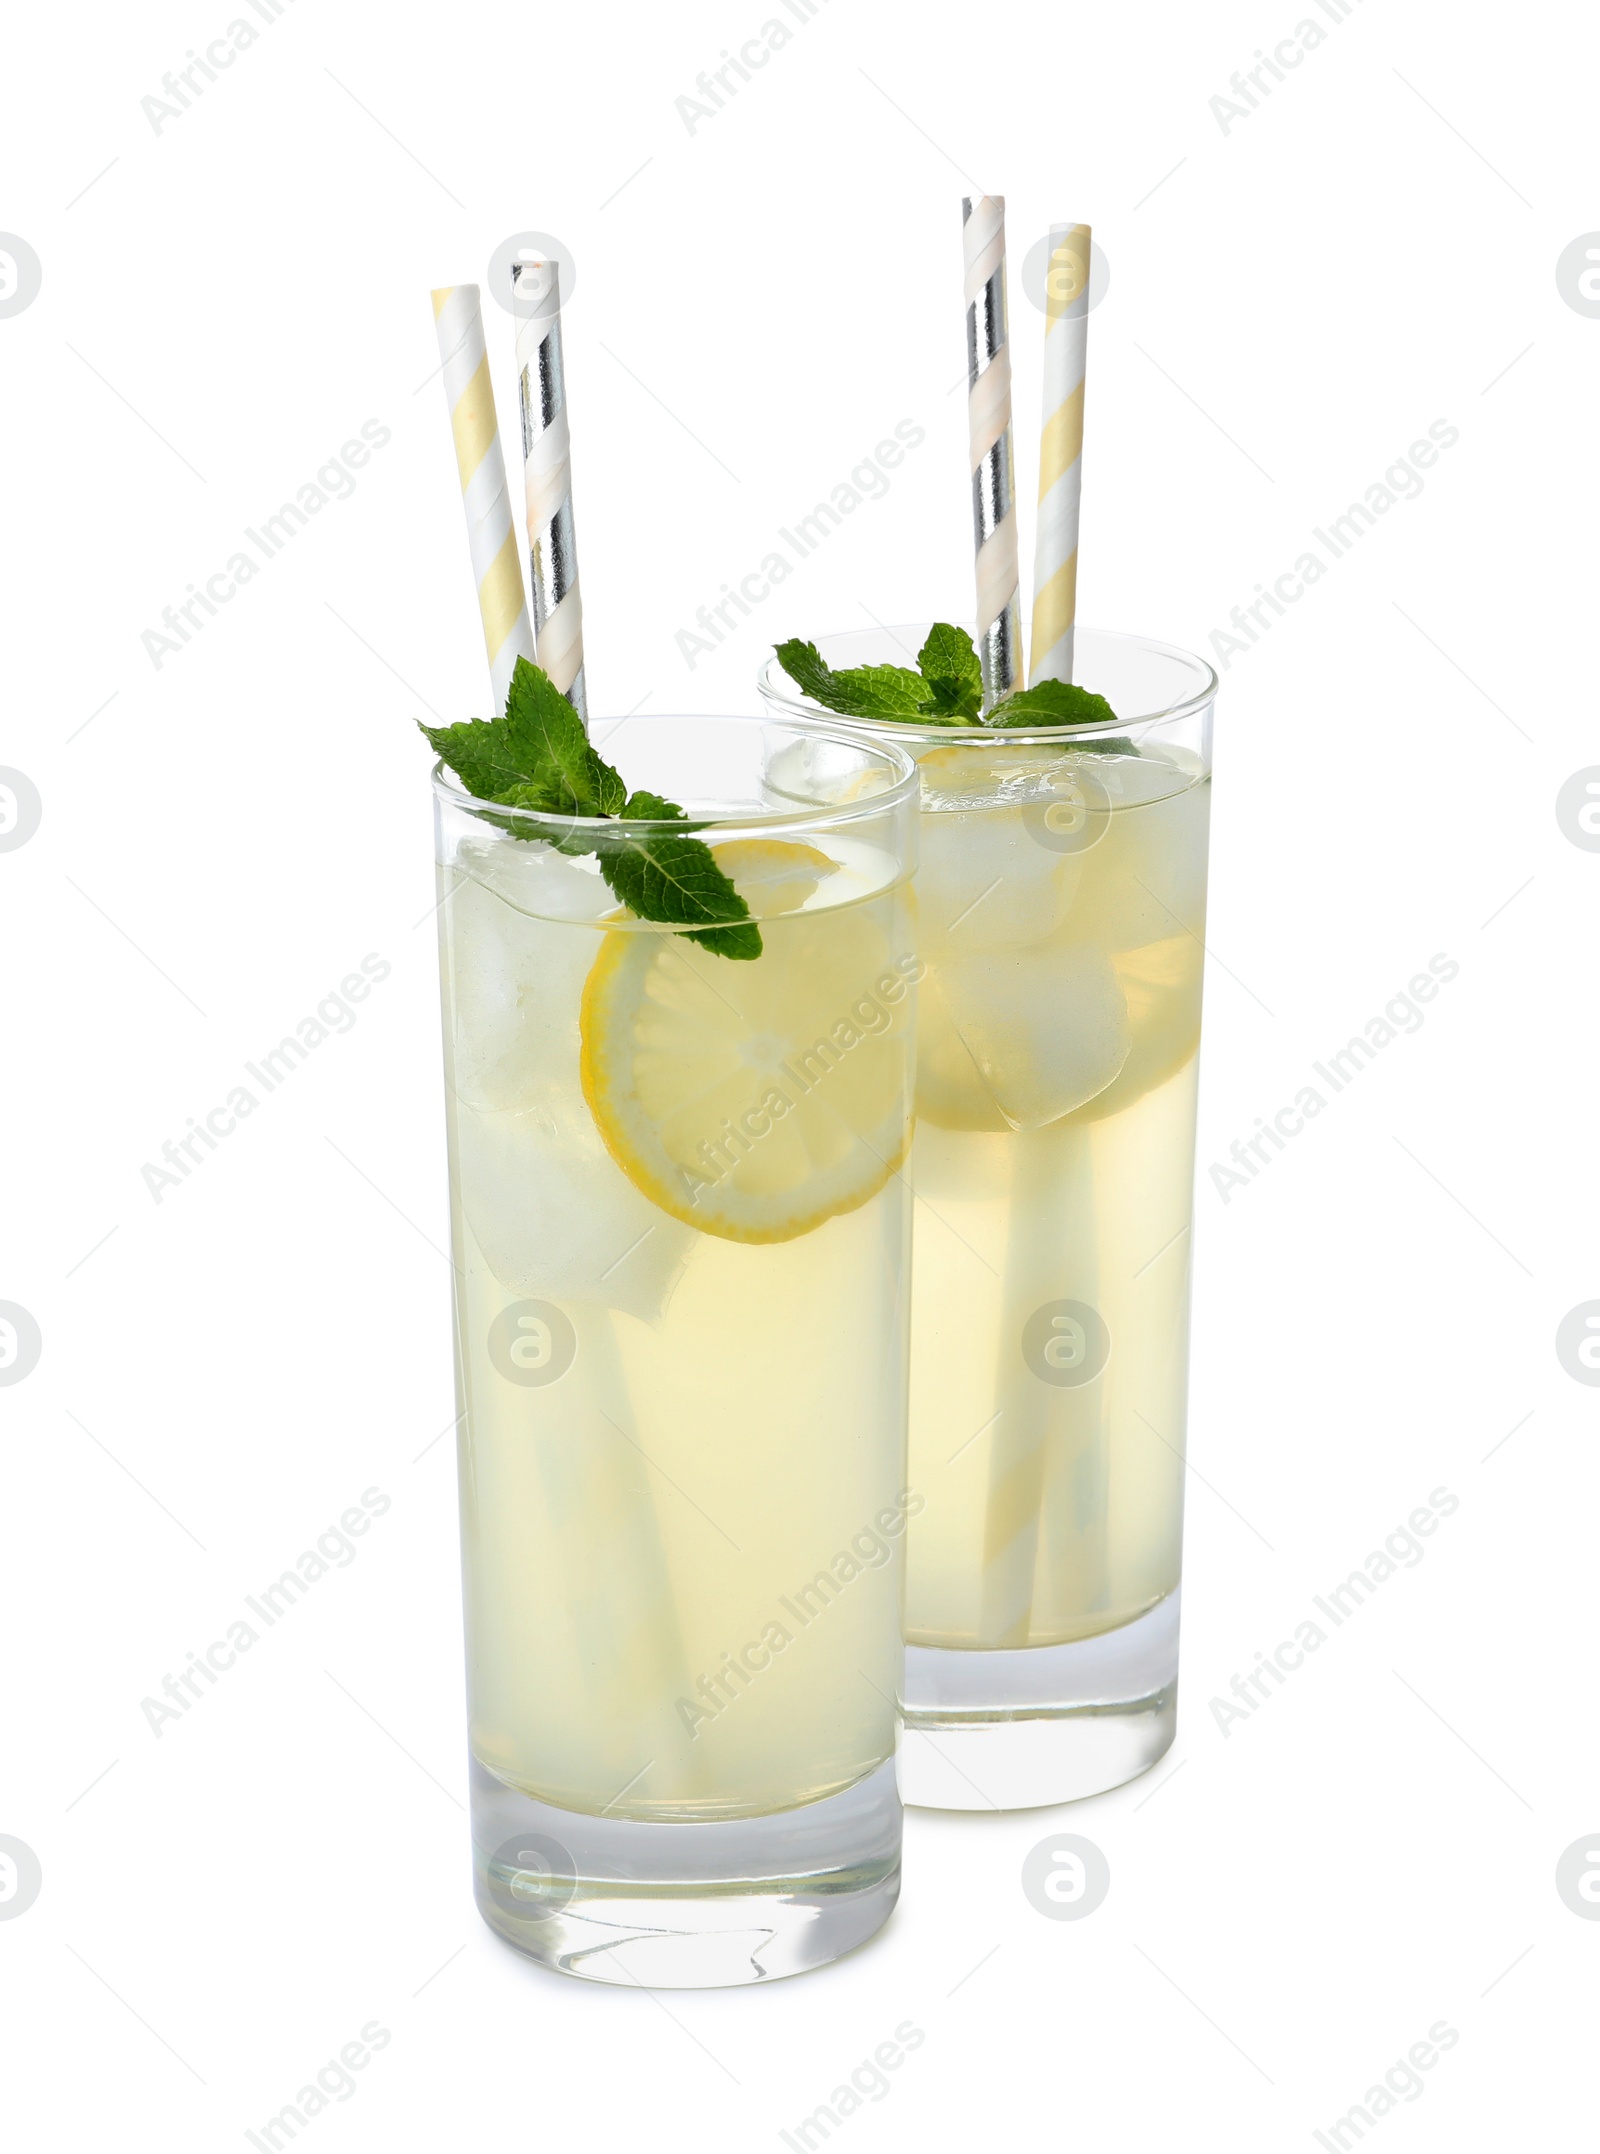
(775,685)
(823,725)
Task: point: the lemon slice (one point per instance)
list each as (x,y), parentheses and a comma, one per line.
(754,1100)
(1162,985)
(772,876)
(985,765)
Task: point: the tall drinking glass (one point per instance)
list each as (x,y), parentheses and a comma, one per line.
(681,1254)
(1061,904)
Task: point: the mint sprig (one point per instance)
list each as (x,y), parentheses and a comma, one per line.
(860,692)
(945,689)
(538,756)
(948,662)
(1052,703)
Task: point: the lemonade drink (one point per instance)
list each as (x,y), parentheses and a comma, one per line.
(1061,902)
(1054,1167)
(679,1240)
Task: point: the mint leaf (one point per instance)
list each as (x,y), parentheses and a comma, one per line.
(1113,744)
(735,942)
(677,880)
(651,808)
(949,664)
(543,799)
(947,689)
(538,756)
(489,755)
(803,664)
(1052,703)
(541,718)
(857,691)
(884,691)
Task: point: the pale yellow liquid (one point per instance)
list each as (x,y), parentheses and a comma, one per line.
(1054,1512)
(683,1558)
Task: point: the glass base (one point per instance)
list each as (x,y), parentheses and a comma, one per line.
(686,1906)
(1018,1729)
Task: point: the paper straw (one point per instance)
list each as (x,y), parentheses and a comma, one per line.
(496,556)
(1055,562)
(547,469)
(994,519)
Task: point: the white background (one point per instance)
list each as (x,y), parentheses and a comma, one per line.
(1293,301)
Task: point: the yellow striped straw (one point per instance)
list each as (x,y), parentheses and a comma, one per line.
(1055,561)
(491,535)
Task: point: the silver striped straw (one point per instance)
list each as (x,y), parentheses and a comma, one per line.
(994,519)
(547,470)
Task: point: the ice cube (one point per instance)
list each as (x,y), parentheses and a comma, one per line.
(985,880)
(555,1216)
(984,883)
(1144,879)
(951,1093)
(1046,1025)
(517,966)
(537,880)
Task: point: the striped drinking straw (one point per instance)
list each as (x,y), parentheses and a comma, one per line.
(547,469)
(994,518)
(1055,561)
(496,554)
